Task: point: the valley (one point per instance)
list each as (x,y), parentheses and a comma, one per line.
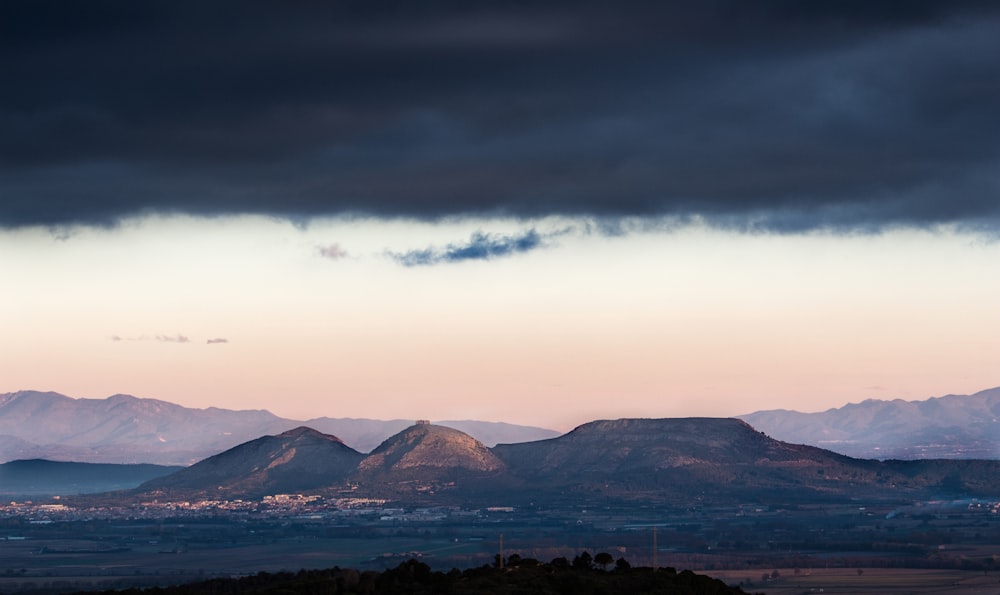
(46,546)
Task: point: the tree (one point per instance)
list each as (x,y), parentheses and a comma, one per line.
(584,561)
(603,559)
(622,565)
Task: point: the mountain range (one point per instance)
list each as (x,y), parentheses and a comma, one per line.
(948,427)
(130,430)
(667,461)
(126,429)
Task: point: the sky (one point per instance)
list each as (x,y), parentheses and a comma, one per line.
(538,212)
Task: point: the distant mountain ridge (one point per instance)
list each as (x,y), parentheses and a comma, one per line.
(948,427)
(128,430)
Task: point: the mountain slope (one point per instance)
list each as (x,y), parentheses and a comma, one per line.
(296,460)
(702,460)
(676,458)
(953,427)
(429,462)
(418,459)
(424,448)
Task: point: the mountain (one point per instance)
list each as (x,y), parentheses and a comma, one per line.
(681,462)
(949,427)
(425,447)
(678,459)
(293,461)
(430,463)
(127,429)
(710,460)
(424,456)
(35,477)
(366,434)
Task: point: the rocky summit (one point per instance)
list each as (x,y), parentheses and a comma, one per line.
(427,448)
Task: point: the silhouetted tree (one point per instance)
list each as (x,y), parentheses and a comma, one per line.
(584,561)
(559,562)
(603,559)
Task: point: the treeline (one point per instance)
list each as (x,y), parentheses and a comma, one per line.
(515,576)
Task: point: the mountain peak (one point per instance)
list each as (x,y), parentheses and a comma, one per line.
(307,432)
(426,445)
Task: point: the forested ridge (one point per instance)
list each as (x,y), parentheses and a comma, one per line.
(583,576)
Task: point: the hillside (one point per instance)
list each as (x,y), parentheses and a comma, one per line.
(296,460)
(712,460)
(949,427)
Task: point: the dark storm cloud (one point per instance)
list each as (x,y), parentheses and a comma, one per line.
(481,246)
(765,116)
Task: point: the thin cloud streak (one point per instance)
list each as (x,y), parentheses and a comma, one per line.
(178,338)
(481,246)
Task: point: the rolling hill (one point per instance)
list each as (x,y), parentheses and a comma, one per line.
(296,460)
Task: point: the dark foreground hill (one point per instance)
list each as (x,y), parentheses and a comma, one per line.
(949,427)
(416,578)
(667,461)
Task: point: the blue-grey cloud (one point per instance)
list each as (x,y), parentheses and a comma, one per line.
(771,116)
(216,341)
(481,246)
